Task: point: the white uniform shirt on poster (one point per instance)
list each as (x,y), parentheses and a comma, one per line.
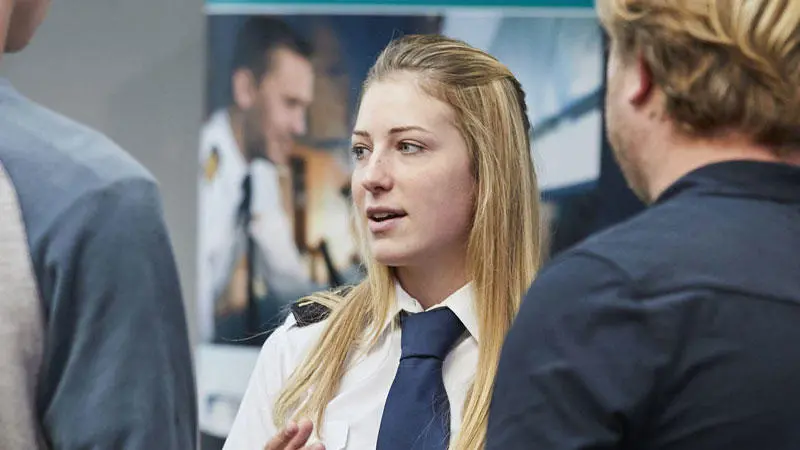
(220,195)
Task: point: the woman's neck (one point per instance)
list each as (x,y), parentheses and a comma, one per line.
(432,285)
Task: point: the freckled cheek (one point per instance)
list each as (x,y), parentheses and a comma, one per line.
(461,199)
(447,206)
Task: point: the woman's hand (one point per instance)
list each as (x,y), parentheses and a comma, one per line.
(294,437)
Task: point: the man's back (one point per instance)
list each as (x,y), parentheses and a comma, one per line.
(91,312)
(675,330)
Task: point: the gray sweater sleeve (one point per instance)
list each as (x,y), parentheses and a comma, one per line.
(118,370)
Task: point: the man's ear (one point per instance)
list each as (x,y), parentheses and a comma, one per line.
(641,90)
(244,88)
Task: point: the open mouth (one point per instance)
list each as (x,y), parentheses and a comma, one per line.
(383,220)
(384,216)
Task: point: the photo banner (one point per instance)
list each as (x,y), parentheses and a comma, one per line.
(283,80)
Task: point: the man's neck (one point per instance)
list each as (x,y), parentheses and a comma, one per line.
(248,149)
(6,10)
(680,156)
(236,119)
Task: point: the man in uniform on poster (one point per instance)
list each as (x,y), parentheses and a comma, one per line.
(245,151)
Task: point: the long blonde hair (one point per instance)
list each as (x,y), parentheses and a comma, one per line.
(503,249)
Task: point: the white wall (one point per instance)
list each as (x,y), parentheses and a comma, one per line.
(135,70)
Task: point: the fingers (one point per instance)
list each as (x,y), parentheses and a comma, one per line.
(282,439)
(294,437)
(303,425)
(314,447)
(304,429)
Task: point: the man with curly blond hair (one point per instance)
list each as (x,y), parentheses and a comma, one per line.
(678,328)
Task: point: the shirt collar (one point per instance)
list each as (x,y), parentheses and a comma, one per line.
(461,302)
(742,178)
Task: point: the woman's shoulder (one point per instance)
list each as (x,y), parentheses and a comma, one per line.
(284,350)
(304,314)
(301,329)
(316,309)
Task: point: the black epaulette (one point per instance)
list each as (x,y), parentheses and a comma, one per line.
(309,313)
(306,314)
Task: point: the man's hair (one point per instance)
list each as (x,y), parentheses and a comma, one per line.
(258,39)
(724,65)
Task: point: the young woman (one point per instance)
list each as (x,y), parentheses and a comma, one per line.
(446,200)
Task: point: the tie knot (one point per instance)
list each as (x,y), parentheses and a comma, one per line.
(430,334)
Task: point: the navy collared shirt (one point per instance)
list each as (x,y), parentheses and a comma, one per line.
(678,329)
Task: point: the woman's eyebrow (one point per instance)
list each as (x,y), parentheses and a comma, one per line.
(394,130)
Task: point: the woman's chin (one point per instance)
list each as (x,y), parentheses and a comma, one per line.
(390,257)
(391,261)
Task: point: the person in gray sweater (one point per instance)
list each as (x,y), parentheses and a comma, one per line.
(95,350)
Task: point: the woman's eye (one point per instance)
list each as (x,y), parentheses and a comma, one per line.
(407,147)
(358,151)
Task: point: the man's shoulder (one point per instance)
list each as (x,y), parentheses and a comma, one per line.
(616,244)
(670,238)
(613,263)
(59,145)
(54,161)
(65,174)
(216,133)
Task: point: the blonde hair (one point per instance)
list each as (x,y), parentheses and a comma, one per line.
(503,247)
(724,65)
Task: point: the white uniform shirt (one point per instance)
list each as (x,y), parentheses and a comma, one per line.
(220,245)
(352,419)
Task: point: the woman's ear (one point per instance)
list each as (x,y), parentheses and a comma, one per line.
(244,88)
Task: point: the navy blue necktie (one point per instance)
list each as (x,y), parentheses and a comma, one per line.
(417,411)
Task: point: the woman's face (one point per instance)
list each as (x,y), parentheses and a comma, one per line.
(413,181)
